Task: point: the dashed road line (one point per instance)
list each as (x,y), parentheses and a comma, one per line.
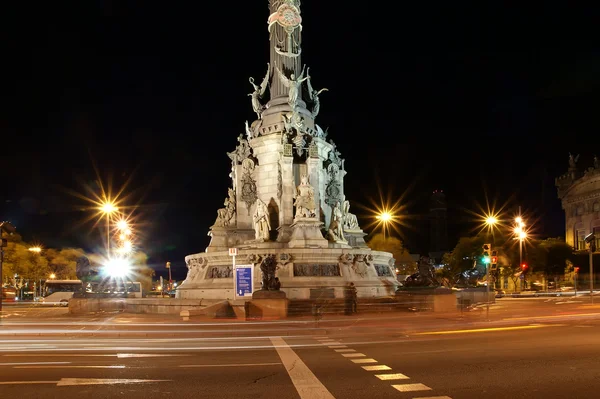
(353,355)
(396,376)
(411,387)
(380,367)
(364,360)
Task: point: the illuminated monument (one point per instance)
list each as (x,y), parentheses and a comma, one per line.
(286,210)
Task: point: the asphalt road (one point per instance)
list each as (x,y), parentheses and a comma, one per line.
(529,348)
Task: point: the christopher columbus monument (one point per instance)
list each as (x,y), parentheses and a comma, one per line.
(285,213)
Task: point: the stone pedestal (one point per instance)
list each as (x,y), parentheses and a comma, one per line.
(268,305)
(306,233)
(356,238)
(218,240)
(284,233)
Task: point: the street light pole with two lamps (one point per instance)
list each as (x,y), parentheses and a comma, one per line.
(521,234)
(108,208)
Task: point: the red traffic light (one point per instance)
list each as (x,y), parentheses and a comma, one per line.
(524,266)
(576,269)
(494,260)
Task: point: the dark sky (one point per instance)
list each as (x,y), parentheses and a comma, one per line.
(479,102)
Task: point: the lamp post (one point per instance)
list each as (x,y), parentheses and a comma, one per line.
(108,208)
(521,234)
(490,221)
(10,229)
(37,250)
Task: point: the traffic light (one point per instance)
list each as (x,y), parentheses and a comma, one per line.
(576,269)
(486,253)
(494,257)
(524,267)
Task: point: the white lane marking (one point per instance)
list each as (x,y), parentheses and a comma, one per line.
(364,360)
(26,382)
(306,383)
(229,365)
(95,381)
(80,381)
(345,350)
(433,397)
(126,355)
(70,367)
(353,355)
(411,387)
(387,377)
(119,355)
(337,346)
(377,368)
(32,363)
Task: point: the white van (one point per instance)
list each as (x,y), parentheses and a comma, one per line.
(58,292)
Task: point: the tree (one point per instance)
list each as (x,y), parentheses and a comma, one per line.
(141,269)
(554,253)
(462,258)
(404,262)
(62,262)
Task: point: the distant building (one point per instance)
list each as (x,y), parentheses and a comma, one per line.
(579,192)
(438,225)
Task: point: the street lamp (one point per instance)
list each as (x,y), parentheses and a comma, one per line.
(36,250)
(384,217)
(107,209)
(521,235)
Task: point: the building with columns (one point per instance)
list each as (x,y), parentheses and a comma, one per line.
(286,205)
(579,192)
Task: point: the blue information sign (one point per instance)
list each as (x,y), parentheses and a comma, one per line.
(244,277)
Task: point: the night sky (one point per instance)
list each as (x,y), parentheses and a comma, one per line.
(479,102)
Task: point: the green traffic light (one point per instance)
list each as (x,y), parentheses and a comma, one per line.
(486,259)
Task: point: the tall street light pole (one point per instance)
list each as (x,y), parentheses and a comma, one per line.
(521,235)
(490,221)
(108,208)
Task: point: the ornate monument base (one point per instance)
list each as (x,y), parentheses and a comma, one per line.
(306,233)
(356,238)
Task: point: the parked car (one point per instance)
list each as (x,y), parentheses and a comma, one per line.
(500,293)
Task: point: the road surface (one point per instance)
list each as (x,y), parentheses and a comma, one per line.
(534,348)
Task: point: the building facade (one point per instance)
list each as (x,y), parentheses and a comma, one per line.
(579,192)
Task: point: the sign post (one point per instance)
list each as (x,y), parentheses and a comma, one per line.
(244,281)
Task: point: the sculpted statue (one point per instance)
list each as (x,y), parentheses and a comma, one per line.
(262,225)
(336,230)
(425,277)
(573,161)
(350,220)
(249,134)
(268,267)
(305,199)
(259,92)
(225,215)
(314,96)
(241,152)
(294,85)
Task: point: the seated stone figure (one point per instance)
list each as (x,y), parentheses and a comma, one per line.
(305,199)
